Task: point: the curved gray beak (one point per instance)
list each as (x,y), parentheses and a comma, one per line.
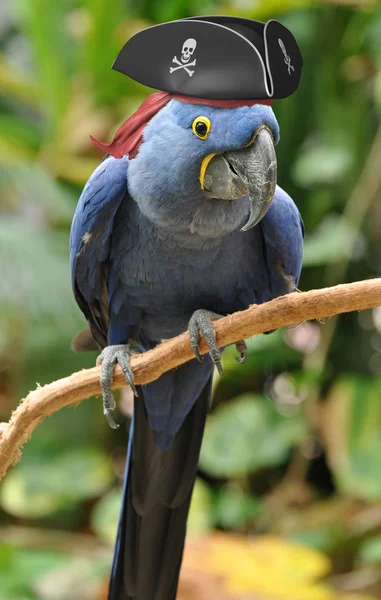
(249,171)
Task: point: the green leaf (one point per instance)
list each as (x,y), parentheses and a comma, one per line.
(235,507)
(322,165)
(370,551)
(266,353)
(102,45)
(351,428)
(45,484)
(331,242)
(319,539)
(105,515)
(16,88)
(34,271)
(35,191)
(21,570)
(246,435)
(86,575)
(51,48)
(170,10)
(7,553)
(258,348)
(372,35)
(200,519)
(20,130)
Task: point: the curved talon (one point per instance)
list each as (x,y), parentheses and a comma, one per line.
(241,348)
(201,321)
(134,390)
(197,353)
(217,363)
(110,419)
(241,359)
(124,363)
(109,357)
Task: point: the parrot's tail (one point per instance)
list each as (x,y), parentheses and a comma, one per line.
(157,493)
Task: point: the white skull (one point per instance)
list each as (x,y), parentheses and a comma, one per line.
(189,46)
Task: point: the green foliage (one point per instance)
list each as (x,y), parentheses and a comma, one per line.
(45,484)
(370,551)
(234,507)
(19,570)
(247,435)
(42,22)
(319,539)
(354,449)
(201,516)
(105,515)
(330,243)
(322,165)
(27,257)
(100,47)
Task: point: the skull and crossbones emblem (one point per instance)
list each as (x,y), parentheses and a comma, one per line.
(189,46)
(287,58)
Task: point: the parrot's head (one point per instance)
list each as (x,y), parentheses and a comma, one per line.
(206,169)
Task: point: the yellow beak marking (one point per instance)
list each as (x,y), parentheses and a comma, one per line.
(203,168)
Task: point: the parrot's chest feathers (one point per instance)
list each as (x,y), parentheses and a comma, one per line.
(166,279)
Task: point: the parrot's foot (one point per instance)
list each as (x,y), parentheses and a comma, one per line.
(108,358)
(241,348)
(201,321)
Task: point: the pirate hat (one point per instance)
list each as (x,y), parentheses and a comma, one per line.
(216,57)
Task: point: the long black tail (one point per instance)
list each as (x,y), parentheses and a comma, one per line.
(157,494)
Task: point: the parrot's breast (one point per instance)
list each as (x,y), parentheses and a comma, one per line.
(168,281)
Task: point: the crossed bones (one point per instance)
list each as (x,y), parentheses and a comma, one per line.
(181,66)
(287,60)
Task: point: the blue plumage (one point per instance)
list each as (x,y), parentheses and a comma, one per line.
(148,249)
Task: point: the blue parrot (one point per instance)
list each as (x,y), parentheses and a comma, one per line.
(191,228)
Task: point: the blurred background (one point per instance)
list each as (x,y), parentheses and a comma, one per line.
(287,505)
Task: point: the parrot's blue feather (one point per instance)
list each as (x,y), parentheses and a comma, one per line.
(148,249)
(166,408)
(283,232)
(92,224)
(90,241)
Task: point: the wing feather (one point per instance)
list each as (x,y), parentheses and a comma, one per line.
(90,242)
(283,233)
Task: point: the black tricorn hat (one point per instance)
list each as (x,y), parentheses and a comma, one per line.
(216,57)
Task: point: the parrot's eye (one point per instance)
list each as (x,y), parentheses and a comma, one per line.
(201,127)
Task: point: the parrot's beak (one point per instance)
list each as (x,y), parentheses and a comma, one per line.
(249,171)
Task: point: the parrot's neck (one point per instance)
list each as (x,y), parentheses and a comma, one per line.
(193,220)
(175,204)
(203,231)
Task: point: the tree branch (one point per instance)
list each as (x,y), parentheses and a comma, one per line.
(281,312)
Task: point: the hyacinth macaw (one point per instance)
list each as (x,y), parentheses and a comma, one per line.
(168,237)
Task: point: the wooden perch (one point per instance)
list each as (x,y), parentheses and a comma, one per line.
(281,312)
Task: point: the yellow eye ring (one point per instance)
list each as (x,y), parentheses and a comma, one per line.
(201,127)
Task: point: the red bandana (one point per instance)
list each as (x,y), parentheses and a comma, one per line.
(130,135)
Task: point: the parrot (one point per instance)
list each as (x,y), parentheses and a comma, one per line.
(182,224)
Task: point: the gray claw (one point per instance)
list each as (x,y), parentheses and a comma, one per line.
(201,321)
(197,353)
(110,419)
(241,348)
(219,366)
(108,358)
